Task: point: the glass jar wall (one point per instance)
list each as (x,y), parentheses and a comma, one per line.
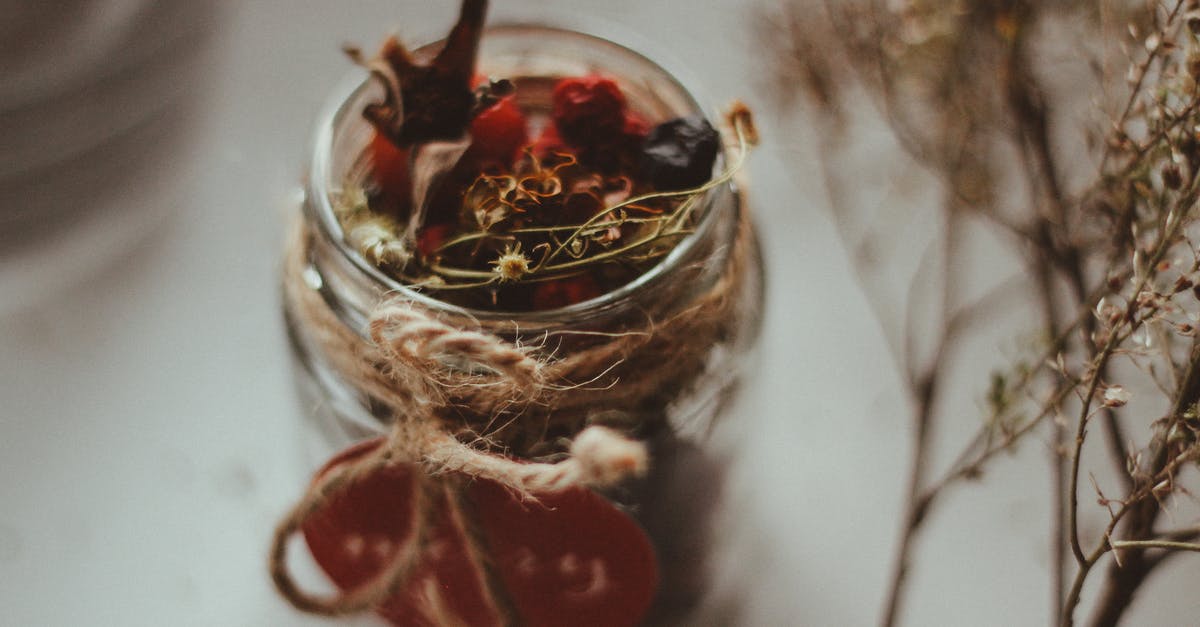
(675,502)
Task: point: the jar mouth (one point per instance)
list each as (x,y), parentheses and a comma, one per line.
(345,107)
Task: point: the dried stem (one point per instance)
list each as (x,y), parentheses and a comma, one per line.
(1155,544)
(970,93)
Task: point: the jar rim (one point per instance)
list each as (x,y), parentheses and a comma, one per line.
(320,209)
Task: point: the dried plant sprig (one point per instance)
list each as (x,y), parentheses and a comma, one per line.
(970,92)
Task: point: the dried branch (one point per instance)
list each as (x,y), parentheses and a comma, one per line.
(971,92)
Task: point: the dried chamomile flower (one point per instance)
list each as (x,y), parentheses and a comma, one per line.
(377,241)
(351,202)
(512,264)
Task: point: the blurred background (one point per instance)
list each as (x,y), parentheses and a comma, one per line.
(149,438)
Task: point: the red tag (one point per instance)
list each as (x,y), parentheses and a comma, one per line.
(571,558)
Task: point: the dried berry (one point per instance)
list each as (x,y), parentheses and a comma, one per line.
(497,135)
(389,168)
(549,141)
(588,110)
(679,153)
(634,126)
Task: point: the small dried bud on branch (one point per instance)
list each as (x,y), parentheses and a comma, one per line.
(1116,396)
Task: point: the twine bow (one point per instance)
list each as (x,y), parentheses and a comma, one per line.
(419,366)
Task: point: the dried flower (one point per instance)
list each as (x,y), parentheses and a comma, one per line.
(486,202)
(740,117)
(376,240)
(1116,396)
(351,202)
(512,264)
(427,102)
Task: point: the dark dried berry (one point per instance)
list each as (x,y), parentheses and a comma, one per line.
(679,153)
(617,152)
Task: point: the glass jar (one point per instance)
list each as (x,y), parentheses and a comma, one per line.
(675,502)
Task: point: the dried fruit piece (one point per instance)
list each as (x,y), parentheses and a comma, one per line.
(389,169)
(547,142)
(497,135)
(679,154)
(589,109)
(634,126)
(571,558)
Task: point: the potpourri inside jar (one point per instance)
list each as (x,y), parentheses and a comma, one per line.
(562,189)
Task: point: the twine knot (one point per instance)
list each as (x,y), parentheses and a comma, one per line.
(605,457)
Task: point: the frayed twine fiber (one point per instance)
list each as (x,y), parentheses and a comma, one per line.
(519,398)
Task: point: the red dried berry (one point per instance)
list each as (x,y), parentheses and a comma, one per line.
(564,292)
(635,126)
(497,135)
(547,142)
(389,169)
(588,109)
(569,558)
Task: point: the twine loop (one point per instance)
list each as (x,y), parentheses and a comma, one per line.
(403,333)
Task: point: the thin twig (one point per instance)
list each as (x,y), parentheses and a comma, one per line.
(1155,544)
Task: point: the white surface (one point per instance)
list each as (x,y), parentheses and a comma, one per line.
(149,436)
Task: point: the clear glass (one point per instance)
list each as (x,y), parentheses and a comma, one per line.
(675,503)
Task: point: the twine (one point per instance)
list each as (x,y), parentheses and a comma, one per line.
(460,397)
